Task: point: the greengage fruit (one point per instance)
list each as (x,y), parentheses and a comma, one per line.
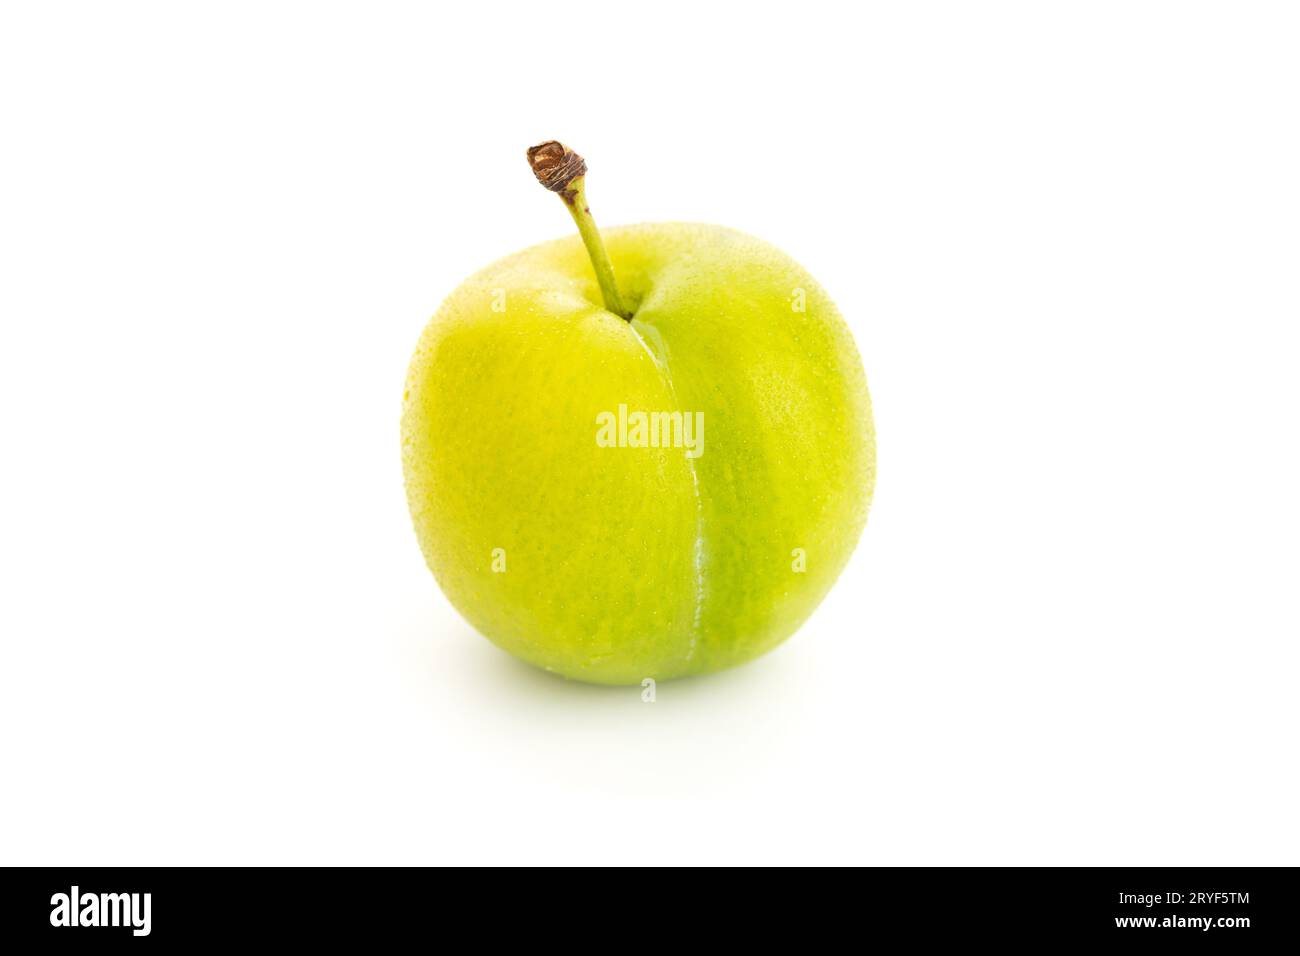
(642,452)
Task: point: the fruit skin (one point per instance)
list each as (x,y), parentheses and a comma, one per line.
(629,563)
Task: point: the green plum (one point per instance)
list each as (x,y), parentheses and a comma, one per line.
(649,476)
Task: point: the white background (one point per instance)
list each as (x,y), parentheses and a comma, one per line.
(1066,238)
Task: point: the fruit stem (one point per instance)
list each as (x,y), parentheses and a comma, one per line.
(563,171)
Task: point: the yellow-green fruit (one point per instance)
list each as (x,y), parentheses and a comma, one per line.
(570,547)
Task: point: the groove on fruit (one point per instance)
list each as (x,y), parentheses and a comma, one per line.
(659,356)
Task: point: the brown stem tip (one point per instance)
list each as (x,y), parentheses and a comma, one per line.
(555,165)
